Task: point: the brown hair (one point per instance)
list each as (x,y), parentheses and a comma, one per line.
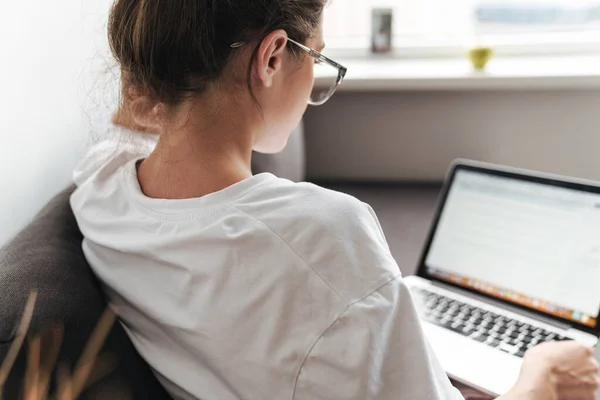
(173,49)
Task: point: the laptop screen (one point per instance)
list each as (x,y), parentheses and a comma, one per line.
(527,242)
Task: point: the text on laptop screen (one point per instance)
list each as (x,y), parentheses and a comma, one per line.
(533,244)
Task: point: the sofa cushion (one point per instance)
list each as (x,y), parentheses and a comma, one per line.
(47,256)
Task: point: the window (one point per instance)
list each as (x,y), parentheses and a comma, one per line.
(450,25)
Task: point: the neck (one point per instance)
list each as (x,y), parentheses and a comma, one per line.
(208,153)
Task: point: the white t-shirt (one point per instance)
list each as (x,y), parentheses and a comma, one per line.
(265,290)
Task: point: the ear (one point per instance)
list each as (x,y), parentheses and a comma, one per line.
(269,59)
(144,113)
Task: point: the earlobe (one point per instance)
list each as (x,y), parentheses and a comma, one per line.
(268,82)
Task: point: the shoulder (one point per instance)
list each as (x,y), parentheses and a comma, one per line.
(109,155)
(336,235)
(288,207)
(311,202)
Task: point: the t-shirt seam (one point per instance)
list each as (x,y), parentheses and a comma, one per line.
(310,350)
(377,289)
(189,215)
(336,320)
(293,251)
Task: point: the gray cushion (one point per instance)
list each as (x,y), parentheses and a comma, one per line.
(47,256)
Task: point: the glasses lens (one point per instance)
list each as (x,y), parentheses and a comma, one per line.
(326,81)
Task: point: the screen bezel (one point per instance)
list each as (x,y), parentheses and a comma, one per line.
(505,172)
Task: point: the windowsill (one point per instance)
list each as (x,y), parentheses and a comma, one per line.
(517,73)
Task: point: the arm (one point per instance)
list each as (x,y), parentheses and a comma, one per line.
(377,351)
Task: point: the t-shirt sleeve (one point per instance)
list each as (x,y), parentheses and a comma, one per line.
(377,351)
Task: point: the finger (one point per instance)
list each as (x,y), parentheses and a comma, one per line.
(595,368)
(596,382)
(578,394)
(589,350)
(588,369)
(584,350)
(573,381)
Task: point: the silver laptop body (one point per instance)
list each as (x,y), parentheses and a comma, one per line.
(512,260)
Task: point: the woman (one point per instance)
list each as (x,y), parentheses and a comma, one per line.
(234,286)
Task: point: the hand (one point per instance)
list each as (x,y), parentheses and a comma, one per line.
(558,371)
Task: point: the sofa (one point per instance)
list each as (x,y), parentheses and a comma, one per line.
(47,257)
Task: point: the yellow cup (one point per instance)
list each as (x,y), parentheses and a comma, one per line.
(480,56)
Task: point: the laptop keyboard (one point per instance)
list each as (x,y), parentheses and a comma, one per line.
(505,334)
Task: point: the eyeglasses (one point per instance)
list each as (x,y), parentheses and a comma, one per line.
(328,74)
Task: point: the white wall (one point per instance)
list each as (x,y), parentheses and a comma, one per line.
(415,136)
(53,79)
(55,82)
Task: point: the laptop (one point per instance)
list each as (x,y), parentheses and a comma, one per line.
(512,260)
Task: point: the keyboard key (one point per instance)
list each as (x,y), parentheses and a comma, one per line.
(516,342)
(507,348)
(462,316)
(523,338)
(499,329)
(512,334)
(479,332)
(467,330)
(479,338)
(445,324)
